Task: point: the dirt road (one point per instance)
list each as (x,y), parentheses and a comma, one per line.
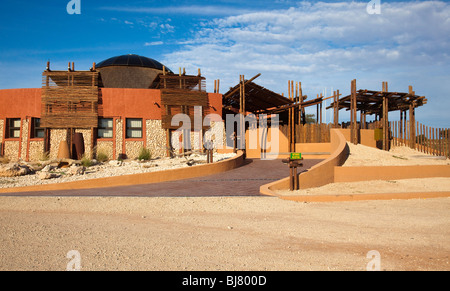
(222,233)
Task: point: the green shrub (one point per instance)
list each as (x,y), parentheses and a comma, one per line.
(45,156)
(144,154)
(86,162)
(102,156)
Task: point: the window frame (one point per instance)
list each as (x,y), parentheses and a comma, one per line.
(127,128)
(99,128)
(35,129)
(13,128)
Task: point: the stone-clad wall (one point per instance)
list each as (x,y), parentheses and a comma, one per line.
(12,149)
(216,134)
(24,141)
(36,150)
(56,136)
(106,147)
(119,137)
(132,148)
(156,138)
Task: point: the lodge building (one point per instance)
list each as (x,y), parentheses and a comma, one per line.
(119,106)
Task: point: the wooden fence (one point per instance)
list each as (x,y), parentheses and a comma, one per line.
(426,139)
(310,133)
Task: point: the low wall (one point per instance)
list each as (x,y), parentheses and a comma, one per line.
(356,174)
(314,150)
(136,179)
(320,174)
(364,197)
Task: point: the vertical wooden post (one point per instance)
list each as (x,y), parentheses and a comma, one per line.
(300,100)
(242,112)
(412,141)
(320,109)
(354,133)
(424,142)
(292,119)
(385,118)
(418,135)
(243,95)
(168,145)
(199,80)
(164,74)
(412,123)
(448,142)
(400,133)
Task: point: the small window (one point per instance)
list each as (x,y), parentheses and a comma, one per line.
(13,127)
(37,131)
(134,128)
(105,128)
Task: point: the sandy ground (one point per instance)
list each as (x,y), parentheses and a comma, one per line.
(361,155)
(223,233)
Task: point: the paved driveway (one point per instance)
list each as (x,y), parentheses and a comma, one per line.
(242,181)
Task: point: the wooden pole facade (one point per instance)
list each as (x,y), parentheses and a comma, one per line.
(353,123)
(385,118)
(412,129)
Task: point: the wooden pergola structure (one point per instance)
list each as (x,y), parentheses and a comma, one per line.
(250,97)
(378,103)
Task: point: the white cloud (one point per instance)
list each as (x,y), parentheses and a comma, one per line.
(324,44)
(324,36)
(153,43)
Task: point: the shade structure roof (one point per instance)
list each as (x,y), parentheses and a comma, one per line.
(257,98)
(131,60)
(371,102)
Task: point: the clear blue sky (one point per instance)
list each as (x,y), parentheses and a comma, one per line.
(324,44)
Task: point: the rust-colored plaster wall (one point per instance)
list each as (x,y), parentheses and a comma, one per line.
(138,103)
(15,103)
(142,103)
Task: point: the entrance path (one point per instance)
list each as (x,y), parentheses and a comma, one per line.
(242,181)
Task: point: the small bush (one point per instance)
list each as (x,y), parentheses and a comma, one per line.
(45,156)
(144,154)
(86,162)
(102,156)
(4,160)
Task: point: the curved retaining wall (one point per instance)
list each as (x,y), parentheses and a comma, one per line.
(320,174)
(330,171)
(136,179)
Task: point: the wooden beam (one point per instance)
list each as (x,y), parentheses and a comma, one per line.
(353,124)
(238,88)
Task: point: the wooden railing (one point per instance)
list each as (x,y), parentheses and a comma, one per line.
(426,139)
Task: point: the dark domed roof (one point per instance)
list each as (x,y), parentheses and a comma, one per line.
(130,71)
(131,60)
